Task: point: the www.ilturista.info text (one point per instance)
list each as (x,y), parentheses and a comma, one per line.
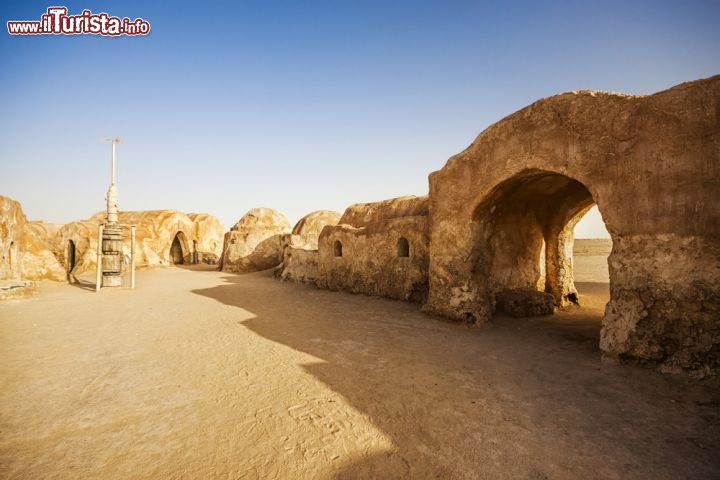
(57,22)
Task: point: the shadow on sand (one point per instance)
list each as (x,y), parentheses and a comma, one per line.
(517,398)
(81,283)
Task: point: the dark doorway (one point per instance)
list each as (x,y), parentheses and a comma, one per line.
(338,248)
(70,256)
(176,251)
(403,247)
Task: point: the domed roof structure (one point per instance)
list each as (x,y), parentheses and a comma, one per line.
(313,223)
(254,242)
(262,219)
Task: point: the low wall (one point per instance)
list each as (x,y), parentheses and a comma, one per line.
(388,258)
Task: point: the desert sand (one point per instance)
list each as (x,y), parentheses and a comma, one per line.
(201,374)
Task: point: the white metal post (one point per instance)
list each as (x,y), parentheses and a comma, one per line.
(112,180)
(112,195)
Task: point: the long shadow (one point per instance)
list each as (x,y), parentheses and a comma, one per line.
(514,399)
(81,283)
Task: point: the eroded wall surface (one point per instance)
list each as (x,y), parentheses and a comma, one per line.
(300,248)
(650,163)
(26,247)
(255,243)
(209,235)
(154,236)
(378,249)
(39,260)
(306,232)
(12,226)
(299,265)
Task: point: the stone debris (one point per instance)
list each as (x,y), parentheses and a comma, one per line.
(524,303)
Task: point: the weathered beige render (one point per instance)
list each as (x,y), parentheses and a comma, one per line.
(42,251)
(379,249)
(163,237)
(255,242)
(500,216)
(300,248)
(26,248)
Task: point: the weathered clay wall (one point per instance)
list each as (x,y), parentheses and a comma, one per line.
(650,163)
(299,265)
(306,232)
(26,247)
(83,234)
(255,242)
(378,249)
(665,301)
(154,235)
(364,214)
(300,248)
(209,234)
(39,261)
(12,226)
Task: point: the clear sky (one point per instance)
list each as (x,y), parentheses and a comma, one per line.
(307,105)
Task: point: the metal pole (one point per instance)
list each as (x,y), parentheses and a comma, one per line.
(132,256)
(114,142)
(98,276)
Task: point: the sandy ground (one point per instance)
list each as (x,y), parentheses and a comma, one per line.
(200,374)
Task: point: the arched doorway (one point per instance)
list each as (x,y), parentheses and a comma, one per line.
(649,176)
(525,235)
(178,249)
(70,256)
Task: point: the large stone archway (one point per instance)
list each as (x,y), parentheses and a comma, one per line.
(650,163)
(524,232)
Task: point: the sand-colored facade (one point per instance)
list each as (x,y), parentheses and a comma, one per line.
(26,247)
(38,250)
(378,249)
(300,248)
(162,237)
(500,215)
(255,242)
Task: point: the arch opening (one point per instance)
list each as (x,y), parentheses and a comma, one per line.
(178,249)
(338,248)
(525,242)
(403,247)
(70,256)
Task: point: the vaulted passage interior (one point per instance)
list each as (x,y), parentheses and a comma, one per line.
(177,249)
(525,234)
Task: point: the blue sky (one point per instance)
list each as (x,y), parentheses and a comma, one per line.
(301,106)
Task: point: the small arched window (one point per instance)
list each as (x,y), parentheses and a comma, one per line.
(403,247)
(338,248)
